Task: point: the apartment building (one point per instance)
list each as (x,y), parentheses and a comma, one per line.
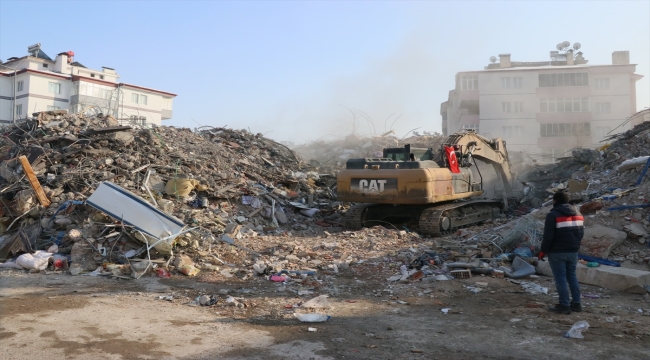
(36,83)
(545,109)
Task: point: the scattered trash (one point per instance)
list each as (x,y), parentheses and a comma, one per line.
(312,317)
(534,289)
(576,330)
(189,270)
(163,273)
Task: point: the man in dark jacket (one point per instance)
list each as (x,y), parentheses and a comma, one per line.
(563,231)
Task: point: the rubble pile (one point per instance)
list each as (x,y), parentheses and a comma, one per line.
(331,156)
(611,186)
(221,184)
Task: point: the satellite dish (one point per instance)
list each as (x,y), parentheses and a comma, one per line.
(559,46)
(566,44)
(493,59)
(577,46)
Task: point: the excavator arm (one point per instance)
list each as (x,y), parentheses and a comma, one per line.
(492,151)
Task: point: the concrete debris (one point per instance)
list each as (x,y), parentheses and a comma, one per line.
(608,277)
(600,240)
(236,206)
(108,185)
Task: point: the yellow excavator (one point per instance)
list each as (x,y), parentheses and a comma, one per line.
(432,188)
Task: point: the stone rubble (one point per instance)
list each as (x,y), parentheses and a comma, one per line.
(260,212)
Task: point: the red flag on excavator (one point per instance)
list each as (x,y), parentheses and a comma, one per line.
(451,158)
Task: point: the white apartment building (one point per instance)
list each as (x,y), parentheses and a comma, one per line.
(35,83)
(545,109)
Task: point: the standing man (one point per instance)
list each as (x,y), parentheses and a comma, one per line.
(563,231)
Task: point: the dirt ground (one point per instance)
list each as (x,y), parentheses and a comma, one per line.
(80,317)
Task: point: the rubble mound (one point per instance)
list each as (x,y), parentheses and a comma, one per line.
(218,181)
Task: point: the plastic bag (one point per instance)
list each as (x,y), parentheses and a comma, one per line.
(311,317)
(37,261)
(523,251)
(576,330)
(534,289)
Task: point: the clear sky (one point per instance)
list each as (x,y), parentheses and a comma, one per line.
(300,70)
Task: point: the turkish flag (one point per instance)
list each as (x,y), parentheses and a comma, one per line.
(453,161)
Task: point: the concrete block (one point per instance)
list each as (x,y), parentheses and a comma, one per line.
(600,240)
(608,277)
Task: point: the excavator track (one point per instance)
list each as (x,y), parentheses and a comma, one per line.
(443,219)
(354,217)
(433,220)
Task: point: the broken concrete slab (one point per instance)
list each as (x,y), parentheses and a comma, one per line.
(635,230)
(615,278)
(600,240)
(83,256)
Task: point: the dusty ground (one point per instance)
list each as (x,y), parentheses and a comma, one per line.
(61,316)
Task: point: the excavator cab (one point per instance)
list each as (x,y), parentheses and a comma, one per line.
(407,153)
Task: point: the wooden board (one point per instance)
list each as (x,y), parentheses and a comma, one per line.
(40,194)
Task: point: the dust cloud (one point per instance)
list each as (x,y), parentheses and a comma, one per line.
(395,92)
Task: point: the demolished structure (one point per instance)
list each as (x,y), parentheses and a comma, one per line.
(85,195)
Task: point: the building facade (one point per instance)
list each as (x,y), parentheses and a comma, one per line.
(35,83)
(544,109)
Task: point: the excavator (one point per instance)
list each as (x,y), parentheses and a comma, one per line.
(440,191)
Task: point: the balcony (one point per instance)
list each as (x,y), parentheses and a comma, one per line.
(468,99)
(166,114)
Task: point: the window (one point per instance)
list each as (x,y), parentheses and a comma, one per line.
(44,65)
(564,79)
(52,108)
(564,130)
(96,90)
(602,131)
(603,108)
(602,83)
(19,86)
(469,82)
(517,82)
(505,107)
(519,106)
(505,83)
(92,75)
(139,98)
(19,110)
(510,131)
(101,77)
(564,104)
(54,88)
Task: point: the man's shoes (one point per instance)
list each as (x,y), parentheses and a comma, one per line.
(560,309)
(576,307)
